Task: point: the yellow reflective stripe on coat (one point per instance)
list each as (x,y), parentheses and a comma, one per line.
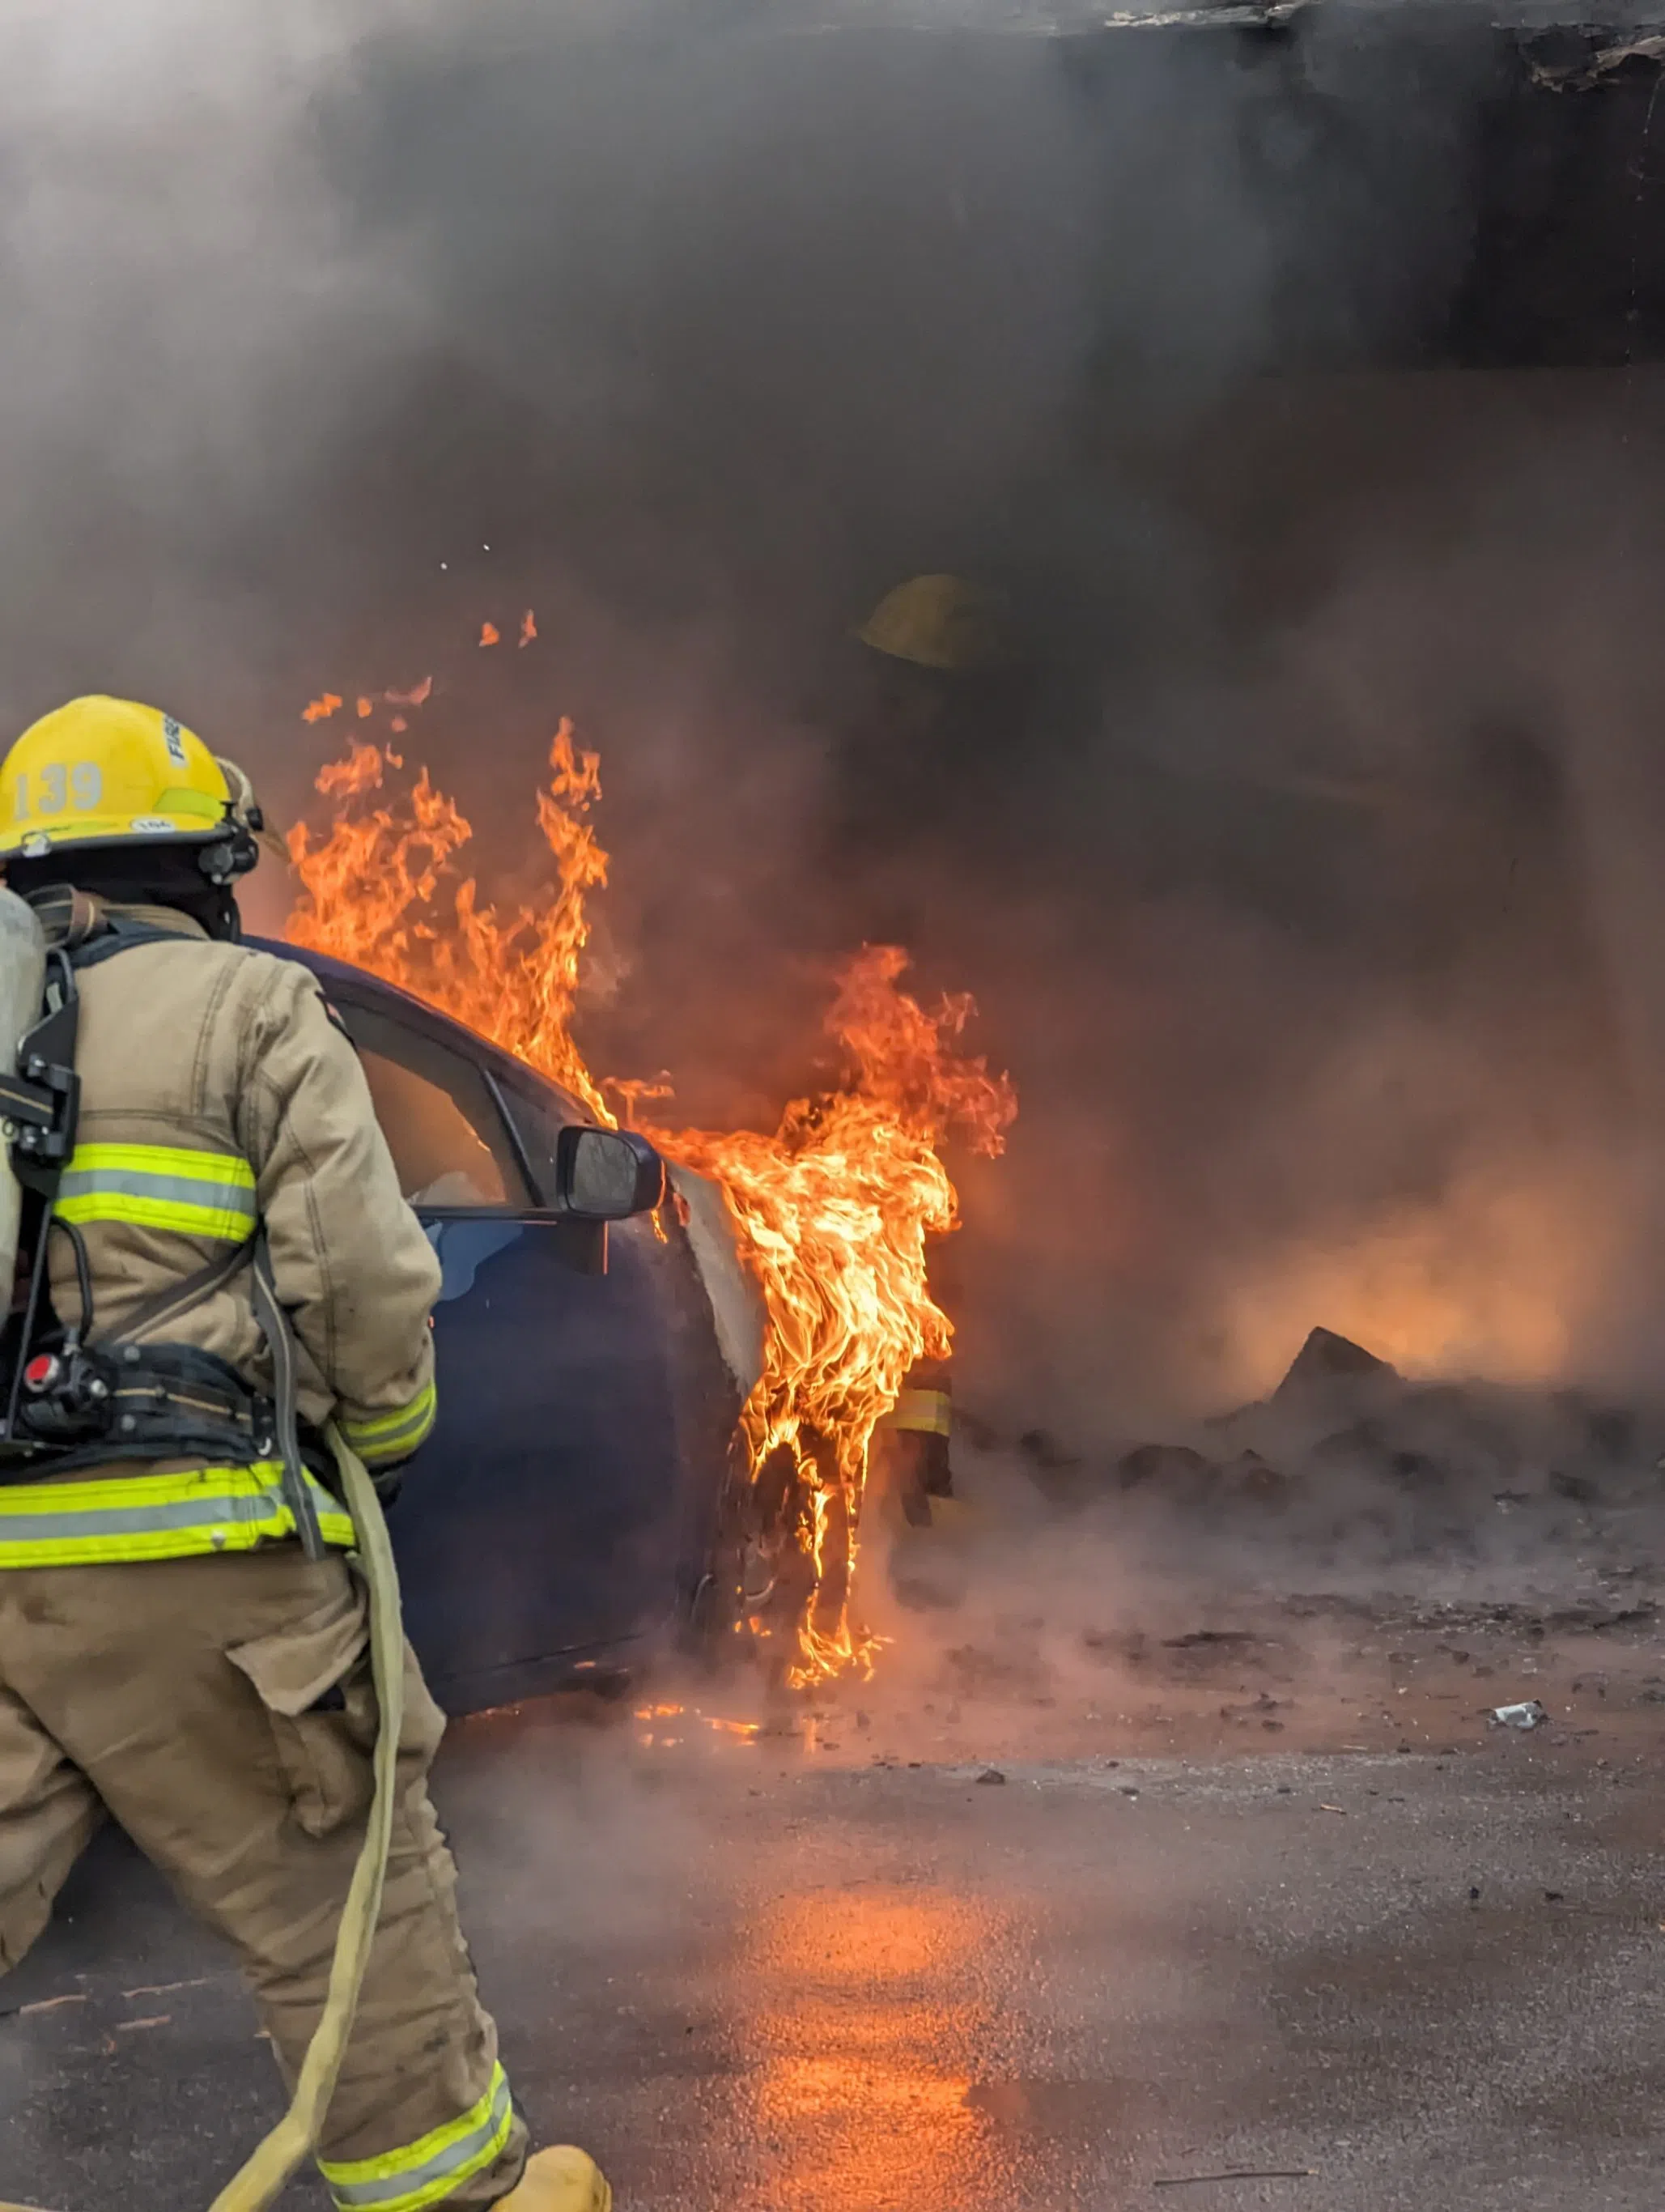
(160,1187)
(428,2171)
(155,1517)
(395,1435)
(930,1411)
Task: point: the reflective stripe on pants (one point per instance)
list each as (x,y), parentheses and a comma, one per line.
(428,2171)
(928,1411)
(386,1437)
(160,1187)
(191,1698)
(114,1517)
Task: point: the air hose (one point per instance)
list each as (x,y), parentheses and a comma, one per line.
(262,2180)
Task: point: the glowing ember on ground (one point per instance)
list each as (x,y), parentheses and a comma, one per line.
(836,1207)
(745,1732)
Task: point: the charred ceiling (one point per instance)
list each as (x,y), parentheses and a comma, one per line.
(1442,183)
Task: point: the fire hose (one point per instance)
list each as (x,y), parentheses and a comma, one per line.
(262,2179)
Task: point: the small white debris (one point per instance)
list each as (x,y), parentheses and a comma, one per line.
(1530,1715)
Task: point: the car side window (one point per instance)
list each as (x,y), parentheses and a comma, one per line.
(442,1124)
(539,1120)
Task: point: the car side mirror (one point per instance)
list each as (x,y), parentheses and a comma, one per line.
(606,1175)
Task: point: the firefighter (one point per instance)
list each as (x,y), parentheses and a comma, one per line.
(940,691)
(928,708)
(950,682)
(947,624)
(169,1653)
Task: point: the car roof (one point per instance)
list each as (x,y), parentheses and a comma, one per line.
(357,985)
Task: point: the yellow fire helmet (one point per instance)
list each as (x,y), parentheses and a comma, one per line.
(942,622)
(110,771)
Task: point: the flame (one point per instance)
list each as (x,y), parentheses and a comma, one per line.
(320,709)
(380,891)
(836,1207)
(490,633)
(528,628)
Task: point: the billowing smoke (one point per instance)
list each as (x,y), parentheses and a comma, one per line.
(1304,871)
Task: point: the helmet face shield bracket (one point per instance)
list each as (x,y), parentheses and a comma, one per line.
(228,857)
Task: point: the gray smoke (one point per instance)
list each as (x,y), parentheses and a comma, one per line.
(1308,894)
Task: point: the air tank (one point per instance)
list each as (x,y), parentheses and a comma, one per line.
(23,980)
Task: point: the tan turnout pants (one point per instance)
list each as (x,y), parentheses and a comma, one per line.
(221,1710)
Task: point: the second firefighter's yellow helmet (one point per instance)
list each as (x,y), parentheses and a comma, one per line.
(945,622)
(111,772)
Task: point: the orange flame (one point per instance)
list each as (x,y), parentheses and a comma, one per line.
(488,632)
(380,891)
(836,1208)
(320,709)
(528,628)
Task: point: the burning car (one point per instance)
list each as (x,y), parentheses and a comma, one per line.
(683,1438)
(567,1517)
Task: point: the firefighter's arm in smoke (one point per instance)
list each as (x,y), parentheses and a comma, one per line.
(353,1269)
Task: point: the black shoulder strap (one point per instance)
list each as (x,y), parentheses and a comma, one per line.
(120,937)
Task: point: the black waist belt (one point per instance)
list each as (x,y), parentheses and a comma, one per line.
(99,1402)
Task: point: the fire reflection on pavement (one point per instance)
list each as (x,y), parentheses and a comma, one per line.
(871,2006)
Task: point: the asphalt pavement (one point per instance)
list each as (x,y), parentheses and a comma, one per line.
(1080,1948)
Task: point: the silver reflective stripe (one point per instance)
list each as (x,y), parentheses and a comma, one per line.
(137,1520)
(66,1519)
(436,2175)
(172,1190)
(390,1433)
(190,1190)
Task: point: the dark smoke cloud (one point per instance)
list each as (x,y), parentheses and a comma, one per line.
(1304,891)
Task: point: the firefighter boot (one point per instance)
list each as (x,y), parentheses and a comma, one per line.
(559,2180)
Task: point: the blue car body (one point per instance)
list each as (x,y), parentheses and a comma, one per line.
(564,1520)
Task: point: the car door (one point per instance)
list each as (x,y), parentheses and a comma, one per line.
(548,1522)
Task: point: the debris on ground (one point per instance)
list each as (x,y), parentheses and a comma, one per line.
(1348,1446)
(1165,1464)
(1577,1489)
(1239,2174)
(1057,1472)
(1250,1476)
(1328,1365)
(1527,1715)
